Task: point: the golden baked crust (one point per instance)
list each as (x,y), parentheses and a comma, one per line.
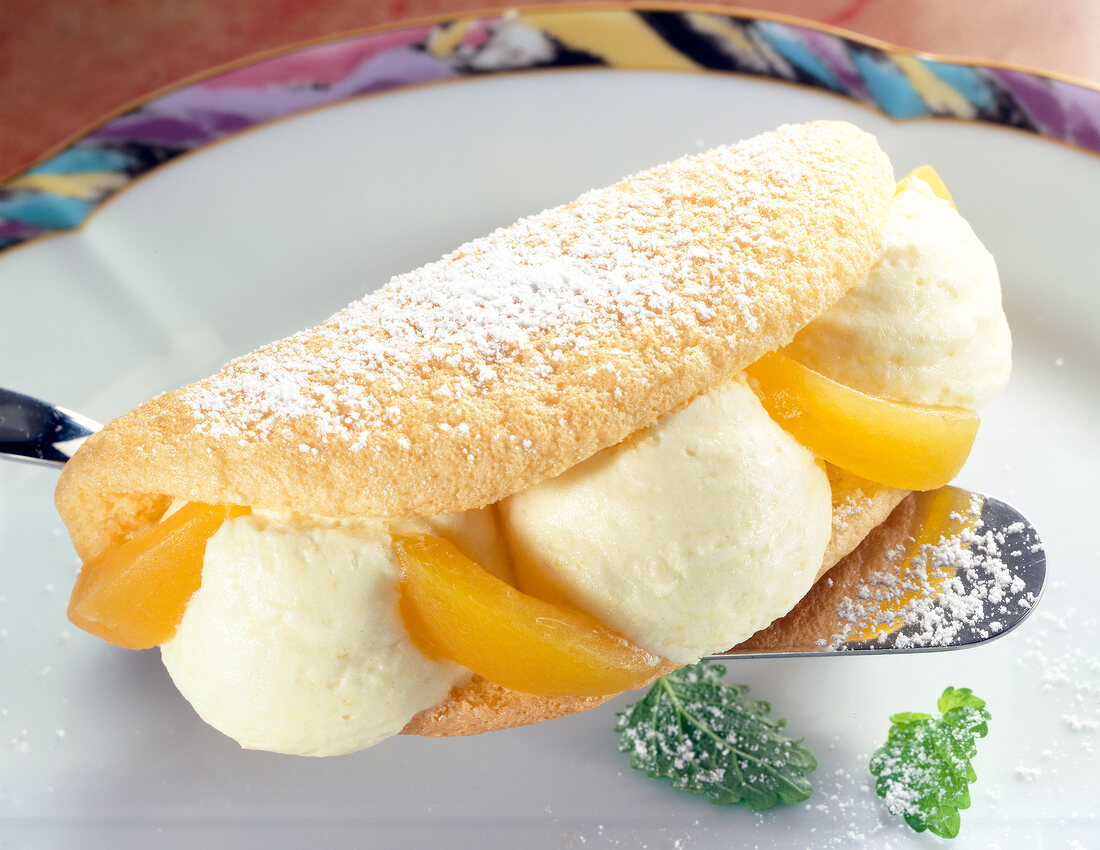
(477,705)
(859,505)
(516,356)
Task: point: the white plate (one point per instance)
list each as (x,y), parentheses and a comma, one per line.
(275,229)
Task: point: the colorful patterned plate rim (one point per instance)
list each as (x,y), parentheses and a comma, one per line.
(60,192)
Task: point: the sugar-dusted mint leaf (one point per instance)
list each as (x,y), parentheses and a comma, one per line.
(710,738)
(924,769)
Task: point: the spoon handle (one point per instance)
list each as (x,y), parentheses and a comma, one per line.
(34,431)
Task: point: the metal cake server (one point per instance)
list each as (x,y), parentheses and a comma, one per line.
(948,569)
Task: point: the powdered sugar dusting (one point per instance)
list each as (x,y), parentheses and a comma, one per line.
(960,585)
(666,250)
(855,504)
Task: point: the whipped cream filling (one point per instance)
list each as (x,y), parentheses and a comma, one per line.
(927,325)
(294,643)
(688,537)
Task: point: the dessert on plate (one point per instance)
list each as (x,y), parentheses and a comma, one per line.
(569,456)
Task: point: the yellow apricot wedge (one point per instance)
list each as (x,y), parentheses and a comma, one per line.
(135,593)
(456,609)
(930,176)
(912,446)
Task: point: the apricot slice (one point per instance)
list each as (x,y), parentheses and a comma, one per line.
(456,609)
(134,594)
(912,446)
(930,176)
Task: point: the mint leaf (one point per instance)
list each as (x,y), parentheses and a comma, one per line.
(710,738)
(924,769)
